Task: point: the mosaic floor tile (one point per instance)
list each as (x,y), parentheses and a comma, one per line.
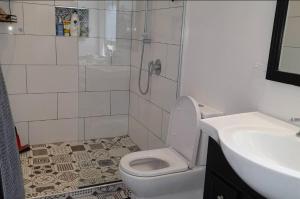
(77,148)
(41,160)
(67,167)
(61,158)
(38,152)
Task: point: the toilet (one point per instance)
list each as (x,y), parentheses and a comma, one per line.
(177,171)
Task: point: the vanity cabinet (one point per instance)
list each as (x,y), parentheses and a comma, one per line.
(221,182)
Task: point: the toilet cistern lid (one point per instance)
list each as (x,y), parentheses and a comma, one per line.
(184,129)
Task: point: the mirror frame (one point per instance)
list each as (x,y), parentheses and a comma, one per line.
(275,49)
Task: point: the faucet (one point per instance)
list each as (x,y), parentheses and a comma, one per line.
(296,119)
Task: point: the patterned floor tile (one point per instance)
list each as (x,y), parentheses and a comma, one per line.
(67,167)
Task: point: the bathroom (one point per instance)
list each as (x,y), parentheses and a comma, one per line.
(86,96)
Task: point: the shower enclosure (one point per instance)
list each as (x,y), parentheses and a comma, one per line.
(80,101)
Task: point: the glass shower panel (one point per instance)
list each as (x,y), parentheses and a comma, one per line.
(104,59)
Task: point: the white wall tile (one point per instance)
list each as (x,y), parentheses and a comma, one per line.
(67,50)
(151,116)
(163,92)
(123,26)
(134,82)
(55,131)
(103,78)
(29,107)
(172,62)
(67,105)
(69,3)
(154,142)
(134,105)
(159,4)
(94,104)
(22,128)
(106,126)
(153,52)
(138,5)
(27,49)
(81,77)
(43,79)
(94,51)
(96,23)
(165,125)
(176,3)
(119,102)
(15,78)
(136,51)
(166,25)
(109,24)
(48,2)
(138,134)
(92,4)
(146,113)
(16,9)
(39,19)
(121,54)
(138,21)
(122,5)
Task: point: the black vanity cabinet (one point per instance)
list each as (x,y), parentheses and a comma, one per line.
(221,182)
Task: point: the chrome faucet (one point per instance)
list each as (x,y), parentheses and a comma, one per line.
(296,119)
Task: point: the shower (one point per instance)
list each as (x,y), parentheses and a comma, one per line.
(152,66)
(72,103)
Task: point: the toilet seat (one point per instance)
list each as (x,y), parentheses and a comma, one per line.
(153,163)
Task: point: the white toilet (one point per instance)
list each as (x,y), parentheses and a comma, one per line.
(176,172)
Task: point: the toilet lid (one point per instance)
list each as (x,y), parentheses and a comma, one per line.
(184,129)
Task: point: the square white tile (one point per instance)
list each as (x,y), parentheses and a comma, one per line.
(172,64)
(106,126)
(22,128)
(104,78)
(163,92)
(27,49)
(121,53)
(67,50)
(94,104)
(150,116)
(39,19)
(55,131)
(138,134)
(15,78)
(45,79)
(68,105)
(119,102)
(154,142)
(29,107)
(94,51)
(165,125)
(166,25)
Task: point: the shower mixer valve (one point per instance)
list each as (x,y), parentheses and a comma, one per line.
(155,67)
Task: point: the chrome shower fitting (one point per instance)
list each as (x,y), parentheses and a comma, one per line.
(156,67)
(153,67)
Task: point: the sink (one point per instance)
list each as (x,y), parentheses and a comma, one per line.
(263,151)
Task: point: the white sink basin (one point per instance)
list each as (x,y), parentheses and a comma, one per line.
(263,151)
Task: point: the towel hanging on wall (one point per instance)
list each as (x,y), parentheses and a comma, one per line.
(11,182)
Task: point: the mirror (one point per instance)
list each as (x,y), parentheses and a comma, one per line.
(284,58)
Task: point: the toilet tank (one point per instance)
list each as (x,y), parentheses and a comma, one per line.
(206,112)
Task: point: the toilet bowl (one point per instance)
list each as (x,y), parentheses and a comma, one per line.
(172,172)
